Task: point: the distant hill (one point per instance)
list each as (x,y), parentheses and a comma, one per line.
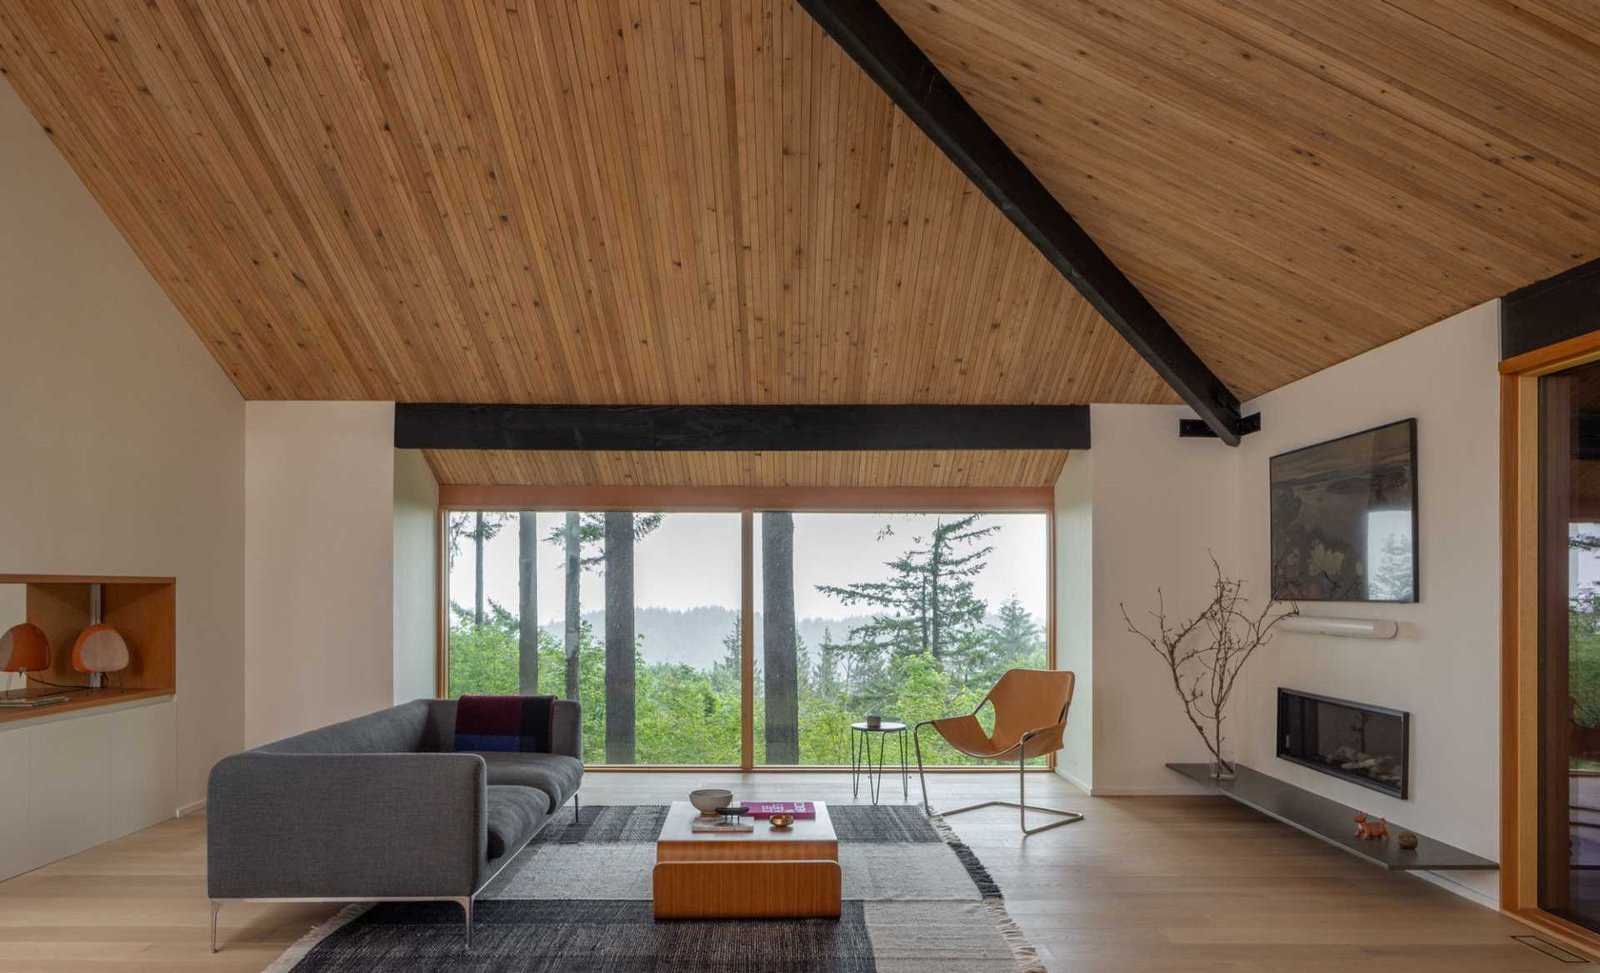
(694,636)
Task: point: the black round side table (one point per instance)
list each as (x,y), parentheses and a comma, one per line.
(861,762)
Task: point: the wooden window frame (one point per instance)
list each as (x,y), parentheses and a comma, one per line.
(746,502)
(1519,632)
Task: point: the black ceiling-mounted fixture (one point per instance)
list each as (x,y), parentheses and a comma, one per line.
(895,62)
(1197,429)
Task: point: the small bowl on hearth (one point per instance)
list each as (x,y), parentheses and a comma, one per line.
(707,800)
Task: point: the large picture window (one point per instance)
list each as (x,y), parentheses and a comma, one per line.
(908,616)
(634,614)
(639,615)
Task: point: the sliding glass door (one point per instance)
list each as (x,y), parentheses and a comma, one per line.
(1569,632)
(639,615)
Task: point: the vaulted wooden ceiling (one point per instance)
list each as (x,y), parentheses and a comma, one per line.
(550,202)
(1294,182)
(609,202)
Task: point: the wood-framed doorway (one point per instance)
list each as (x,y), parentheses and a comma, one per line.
(1520,712)
(747,501)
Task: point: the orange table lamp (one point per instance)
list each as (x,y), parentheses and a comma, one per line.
(100,649)
(24,648)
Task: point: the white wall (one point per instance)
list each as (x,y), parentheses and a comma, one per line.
(123,442)
(1074,591)
(1158,505)
(416,564)
(319,564)
(1444,668)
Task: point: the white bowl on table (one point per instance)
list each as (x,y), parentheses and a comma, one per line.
(708,799)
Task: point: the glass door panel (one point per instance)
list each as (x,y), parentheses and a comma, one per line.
(1569,670)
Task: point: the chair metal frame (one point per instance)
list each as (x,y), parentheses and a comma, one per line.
(1021,803)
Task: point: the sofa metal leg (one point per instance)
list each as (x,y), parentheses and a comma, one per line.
(466,910)
(216,907)
(574,807)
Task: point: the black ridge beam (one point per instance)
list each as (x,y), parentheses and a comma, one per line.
(740,427)
(893,60)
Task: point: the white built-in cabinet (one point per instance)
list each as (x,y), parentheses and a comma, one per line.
(71,782)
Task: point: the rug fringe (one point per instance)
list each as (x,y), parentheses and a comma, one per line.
(322,930)
(940,825)
(1022,948)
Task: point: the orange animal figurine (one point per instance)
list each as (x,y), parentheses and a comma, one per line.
(1369,830)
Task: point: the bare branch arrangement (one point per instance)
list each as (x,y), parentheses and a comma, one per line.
(1206,653)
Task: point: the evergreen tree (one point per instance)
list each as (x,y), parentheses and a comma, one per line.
(621,651)
(1015,641)
(725,671)
(926,607)
(623,529)
(572,543)
(581,536)
(577,533)
(479,528)
(827,681)
(779,648)
(527,604)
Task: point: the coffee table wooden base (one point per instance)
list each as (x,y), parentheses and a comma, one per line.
(747,890)
(763,873)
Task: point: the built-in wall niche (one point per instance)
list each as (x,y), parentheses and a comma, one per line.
(142,610)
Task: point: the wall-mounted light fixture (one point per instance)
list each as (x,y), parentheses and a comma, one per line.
(1350,628)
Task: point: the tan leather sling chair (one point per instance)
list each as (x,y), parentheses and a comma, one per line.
(1030,718)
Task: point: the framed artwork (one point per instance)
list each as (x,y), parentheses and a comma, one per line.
(1344,518)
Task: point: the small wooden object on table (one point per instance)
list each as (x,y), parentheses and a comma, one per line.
(762,874)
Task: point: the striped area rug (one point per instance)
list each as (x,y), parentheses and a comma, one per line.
(578,898)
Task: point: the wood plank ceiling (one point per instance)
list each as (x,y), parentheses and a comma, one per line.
(1295,182)
(902,468)
(588,202)
(610,202)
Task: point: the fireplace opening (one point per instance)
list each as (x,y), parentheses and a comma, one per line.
(1354,741)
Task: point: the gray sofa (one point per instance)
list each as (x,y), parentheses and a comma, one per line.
(381,808)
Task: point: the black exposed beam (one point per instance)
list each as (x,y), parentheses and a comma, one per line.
(766,428)
(893,60)
(1552,310)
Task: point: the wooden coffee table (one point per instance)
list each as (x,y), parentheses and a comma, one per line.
(759,874)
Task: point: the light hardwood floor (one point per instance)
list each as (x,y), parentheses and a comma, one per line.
(1177,885)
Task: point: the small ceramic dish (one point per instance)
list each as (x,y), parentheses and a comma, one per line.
(782,822)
